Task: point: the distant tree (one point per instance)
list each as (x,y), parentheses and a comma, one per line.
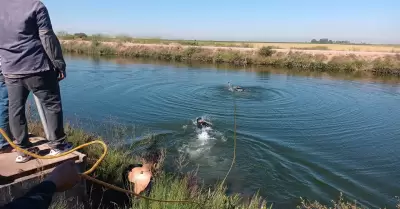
(314,41)
(80,35)
(342,42)
(323,41)
(328,41)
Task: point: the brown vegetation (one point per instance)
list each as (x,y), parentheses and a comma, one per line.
(334,46)
(265,56)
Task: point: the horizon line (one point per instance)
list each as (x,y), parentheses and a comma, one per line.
(115,35)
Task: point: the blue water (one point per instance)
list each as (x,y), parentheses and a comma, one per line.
(305,136)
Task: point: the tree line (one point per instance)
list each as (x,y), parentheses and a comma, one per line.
(328,41)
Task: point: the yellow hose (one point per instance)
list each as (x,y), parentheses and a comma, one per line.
(234,144)
(85,175)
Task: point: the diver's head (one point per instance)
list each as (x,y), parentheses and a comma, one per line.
(152,159)
(198,119)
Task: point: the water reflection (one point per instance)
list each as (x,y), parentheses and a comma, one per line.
(261,71)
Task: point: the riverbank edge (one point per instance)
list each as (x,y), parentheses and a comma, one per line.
(167,186)
(265,56)
(171,186)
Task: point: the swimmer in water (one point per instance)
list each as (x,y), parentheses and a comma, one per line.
(235,88)
(202,123)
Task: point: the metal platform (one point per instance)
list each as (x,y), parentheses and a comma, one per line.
(17,178)
(11,172)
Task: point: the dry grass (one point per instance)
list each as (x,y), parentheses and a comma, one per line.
(239,44)
(383,64)
(336,47)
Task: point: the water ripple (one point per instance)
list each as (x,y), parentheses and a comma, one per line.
(297,136)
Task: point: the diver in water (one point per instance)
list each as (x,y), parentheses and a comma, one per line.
(235,88)
(201,123)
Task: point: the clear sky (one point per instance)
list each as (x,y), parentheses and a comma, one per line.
(372,21)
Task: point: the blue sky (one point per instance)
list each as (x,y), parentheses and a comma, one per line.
(369,21)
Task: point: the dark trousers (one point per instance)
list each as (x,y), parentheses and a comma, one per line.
(46,88)
(4,112)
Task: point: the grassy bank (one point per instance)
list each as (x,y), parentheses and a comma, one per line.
(242,44)
(265,56)
(171,186)
(168,186)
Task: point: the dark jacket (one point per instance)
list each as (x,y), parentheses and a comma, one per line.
(39,197)
(28,44)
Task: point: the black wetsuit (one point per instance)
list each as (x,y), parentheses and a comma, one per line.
(203,124)
(125,175)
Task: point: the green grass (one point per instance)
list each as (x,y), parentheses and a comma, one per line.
(178,188)
(340,203)
(167,186)
(266,56)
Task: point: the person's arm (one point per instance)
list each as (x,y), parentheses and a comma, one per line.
(39,197)
(49,40)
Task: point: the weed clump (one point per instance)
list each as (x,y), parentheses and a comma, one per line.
(266,51)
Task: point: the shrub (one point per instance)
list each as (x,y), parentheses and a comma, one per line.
(80,35)
(189,52)
(266,51)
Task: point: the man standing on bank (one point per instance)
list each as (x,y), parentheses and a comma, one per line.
(32,60)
